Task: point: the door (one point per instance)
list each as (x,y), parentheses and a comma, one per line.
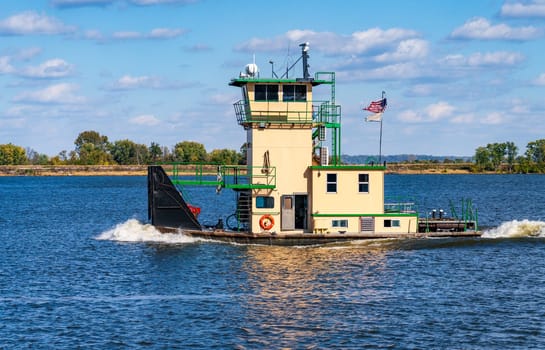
(294,212)
(288,212)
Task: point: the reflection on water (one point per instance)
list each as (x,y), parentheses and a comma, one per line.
(306,291)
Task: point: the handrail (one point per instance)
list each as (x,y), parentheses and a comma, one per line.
(223,176)
(319,112)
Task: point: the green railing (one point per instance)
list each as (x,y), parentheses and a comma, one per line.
(397,204)
(222,176)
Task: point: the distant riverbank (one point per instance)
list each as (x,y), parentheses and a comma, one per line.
(73,170)
(141,170)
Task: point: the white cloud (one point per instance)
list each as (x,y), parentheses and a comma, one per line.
(5,65)
(26,54)
(128,82)
(487,59)
(431,113)
(146,120)
(480,28)
(157,33)
(332,43)
(30,22)
(406,50)
(55,68)
(165,33)
(493,118)
(499,58)
(127,35)
(523,10)
(463,119)
(410,116)
(54,94)
(439,110)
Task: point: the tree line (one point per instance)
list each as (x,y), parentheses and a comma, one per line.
(92,148)
(503,157)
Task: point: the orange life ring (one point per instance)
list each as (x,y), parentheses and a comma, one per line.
(266,222)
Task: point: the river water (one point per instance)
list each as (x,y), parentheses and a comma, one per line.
(80,268)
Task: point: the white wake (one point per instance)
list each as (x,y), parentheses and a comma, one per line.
(517,229)
(133,230)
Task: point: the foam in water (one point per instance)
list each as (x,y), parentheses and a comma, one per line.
(134,231)
(517,229)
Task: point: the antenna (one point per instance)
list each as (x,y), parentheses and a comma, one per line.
(304,57)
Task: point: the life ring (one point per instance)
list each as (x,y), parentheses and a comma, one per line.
(266,222)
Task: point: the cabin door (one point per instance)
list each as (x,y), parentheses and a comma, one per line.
(294,212)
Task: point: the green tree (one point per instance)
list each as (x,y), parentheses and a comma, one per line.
(511,151)
(155,152)
(497,154)
(12,155)
(123,152)
(189,152)
(127,152)
(535,151)
(224,156)
(92,149)
(36,158)
(482,159)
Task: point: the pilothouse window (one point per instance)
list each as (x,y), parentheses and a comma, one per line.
(266,92)
(294,93)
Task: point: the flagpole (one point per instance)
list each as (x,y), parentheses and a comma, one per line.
(380,138)
(380,144)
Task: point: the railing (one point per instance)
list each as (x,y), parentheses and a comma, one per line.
(319,112)
(399,205)
(228,176)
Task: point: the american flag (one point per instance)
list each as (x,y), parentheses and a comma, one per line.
(377,106)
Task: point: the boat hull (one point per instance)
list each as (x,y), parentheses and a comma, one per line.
(302,239)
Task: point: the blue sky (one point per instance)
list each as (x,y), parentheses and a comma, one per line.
(457,74)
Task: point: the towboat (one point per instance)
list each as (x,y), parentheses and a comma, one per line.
(293,188)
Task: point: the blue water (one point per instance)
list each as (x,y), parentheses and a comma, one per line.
(80,269)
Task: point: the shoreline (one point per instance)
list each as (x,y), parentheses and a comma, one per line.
(73,170)
(141,170)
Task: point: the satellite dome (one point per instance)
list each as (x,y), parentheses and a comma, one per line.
(251,70)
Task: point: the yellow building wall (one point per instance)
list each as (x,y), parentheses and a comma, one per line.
(349,205)
(347,199)
(290,152)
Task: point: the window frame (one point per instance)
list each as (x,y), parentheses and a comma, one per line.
(294,93)
(363,183)
(264,202)
(270,92)
(392,223)
(331,185)
(339,223)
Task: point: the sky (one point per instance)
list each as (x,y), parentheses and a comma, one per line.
(457,74)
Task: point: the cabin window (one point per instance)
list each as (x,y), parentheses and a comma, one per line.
(339,223)
(363,183)
(264,202)
(264,92)
(391,223)
(331,183)
(294,93)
